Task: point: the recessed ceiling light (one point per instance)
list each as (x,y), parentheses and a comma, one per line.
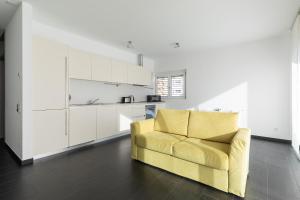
(13,2)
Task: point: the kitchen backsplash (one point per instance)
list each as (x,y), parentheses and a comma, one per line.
(81,91)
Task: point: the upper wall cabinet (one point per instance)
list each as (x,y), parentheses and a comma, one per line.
(49,71)
(101,68)
(132,74)
(145,76)
(138,75)
(118,72)
(80,64)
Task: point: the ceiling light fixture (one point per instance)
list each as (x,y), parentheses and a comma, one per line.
(130,45)
(176,45)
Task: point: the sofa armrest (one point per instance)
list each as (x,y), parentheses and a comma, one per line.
(139,127)
(143,126)
(239,162)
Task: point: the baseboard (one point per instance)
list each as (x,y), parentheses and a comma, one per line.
(17,159)
(272,139)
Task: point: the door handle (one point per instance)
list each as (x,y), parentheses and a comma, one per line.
(18,108)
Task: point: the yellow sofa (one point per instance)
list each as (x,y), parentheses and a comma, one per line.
(207,147)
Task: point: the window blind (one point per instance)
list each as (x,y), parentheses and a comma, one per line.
(162,86)
(177,87)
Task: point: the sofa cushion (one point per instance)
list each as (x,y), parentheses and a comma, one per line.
(158,141)
(213,126)
(207,153)
(172,121)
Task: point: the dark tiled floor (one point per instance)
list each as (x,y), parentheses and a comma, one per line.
(105,171)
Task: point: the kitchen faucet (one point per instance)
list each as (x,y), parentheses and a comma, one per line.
(93,101)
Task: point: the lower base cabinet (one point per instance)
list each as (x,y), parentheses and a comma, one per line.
(49,131)
(82,125)
(107,121)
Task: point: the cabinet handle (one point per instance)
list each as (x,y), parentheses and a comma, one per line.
(66,81)
(66,123)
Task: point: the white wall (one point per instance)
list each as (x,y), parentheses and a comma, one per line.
(252,78)
(18,82)
(82,91)
(295,65)
(27,81)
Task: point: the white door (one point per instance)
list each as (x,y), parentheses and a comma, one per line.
(82,124)
(101,68)
(49,70)
(79,64)
(107,121)
(118,72)
(49,131)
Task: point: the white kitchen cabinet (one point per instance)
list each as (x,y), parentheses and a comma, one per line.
(124,117)
(146,77)
(82,124)
(49,131)
(138,75)
(49,74)
(79,64)
(138,112)
(118,72)
(133,74)
(107,121)
(101,68)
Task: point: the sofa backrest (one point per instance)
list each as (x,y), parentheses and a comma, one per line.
(172,121)
(213,126)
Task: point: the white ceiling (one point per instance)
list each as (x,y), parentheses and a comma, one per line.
(154,24)
(6,12)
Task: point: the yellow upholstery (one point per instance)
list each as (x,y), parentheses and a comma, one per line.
(158,141)
(211,154)
(213,126)
(239,162)
(172,121)
(221,165)
(139,127)
(209,176)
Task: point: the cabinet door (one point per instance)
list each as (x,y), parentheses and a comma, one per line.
(49,70)
(118,72)
(146,77)
(133,74)
(49,131)
(138,113)
(107,121)
(82,124)
(79,64)
(101,68)
(124,117)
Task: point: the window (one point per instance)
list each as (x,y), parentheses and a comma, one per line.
(171,84)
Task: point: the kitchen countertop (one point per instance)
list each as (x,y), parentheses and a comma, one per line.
(118,103)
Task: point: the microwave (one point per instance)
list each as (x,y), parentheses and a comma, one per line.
(153,98)
(126,100)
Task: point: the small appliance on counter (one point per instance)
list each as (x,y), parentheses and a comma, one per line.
(129,99)
(153,98)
